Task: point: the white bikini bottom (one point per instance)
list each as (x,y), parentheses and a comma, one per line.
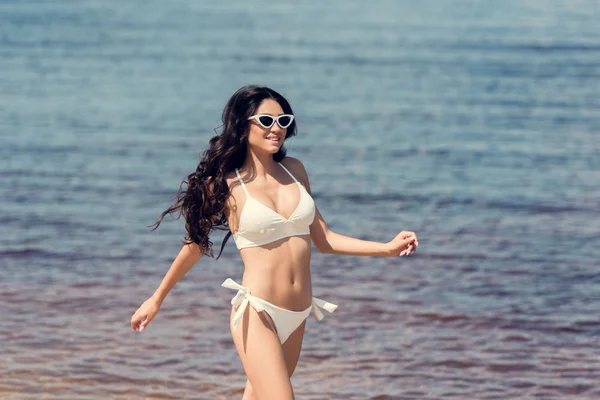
(286,321)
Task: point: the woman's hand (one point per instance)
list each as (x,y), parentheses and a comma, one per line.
(405,243)
(144,314)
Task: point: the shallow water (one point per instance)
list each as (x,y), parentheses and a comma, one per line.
(474,124)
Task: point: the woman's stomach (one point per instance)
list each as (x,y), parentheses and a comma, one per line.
(279,272)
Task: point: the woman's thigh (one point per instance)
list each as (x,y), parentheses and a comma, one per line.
(292,346)
(262,355)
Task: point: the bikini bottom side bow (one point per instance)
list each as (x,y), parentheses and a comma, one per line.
(286,321)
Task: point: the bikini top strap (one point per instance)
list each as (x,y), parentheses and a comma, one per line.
(242,182)
(286,170)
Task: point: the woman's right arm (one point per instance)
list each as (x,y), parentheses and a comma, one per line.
(185,260)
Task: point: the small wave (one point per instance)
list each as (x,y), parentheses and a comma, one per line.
(29,252)
(535,208)
(545,48)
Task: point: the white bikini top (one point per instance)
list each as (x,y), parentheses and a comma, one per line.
(260,224)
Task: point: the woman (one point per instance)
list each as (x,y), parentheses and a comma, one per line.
(246,184)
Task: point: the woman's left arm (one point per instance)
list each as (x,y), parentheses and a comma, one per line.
(327,241)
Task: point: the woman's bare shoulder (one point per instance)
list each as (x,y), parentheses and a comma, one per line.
(296,168)
(234,185)
(230,177)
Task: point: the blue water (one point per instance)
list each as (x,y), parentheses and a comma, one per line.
(474,124)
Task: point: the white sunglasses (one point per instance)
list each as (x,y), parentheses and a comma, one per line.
(267,121)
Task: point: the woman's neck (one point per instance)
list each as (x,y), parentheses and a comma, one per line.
(261,164)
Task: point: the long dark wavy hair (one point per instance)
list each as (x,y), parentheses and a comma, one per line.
(201,197)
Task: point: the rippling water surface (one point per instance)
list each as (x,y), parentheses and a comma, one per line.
(474,124)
